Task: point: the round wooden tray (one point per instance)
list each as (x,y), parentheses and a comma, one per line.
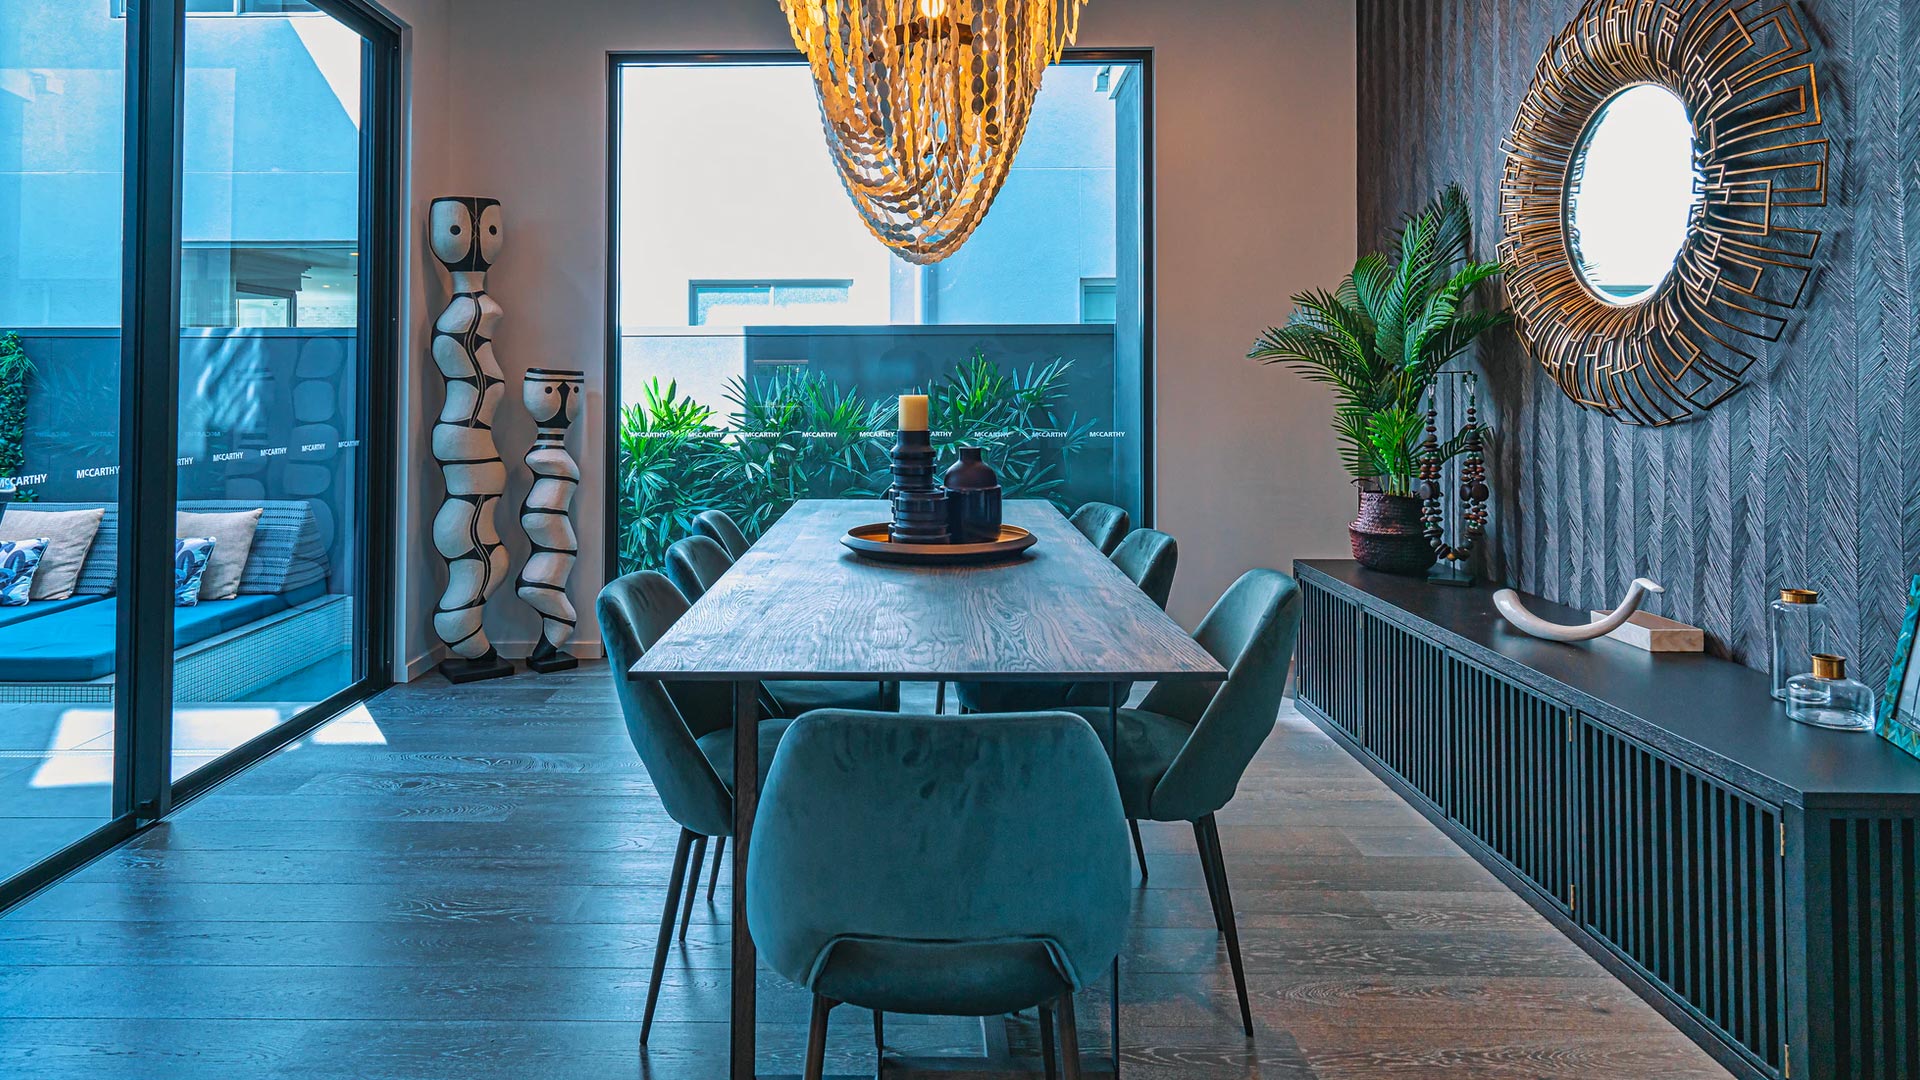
(871,541)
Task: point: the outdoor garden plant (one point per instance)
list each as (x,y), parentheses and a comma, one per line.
(799,435)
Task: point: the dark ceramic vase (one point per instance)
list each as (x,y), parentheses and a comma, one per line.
(973,499)
(1389,536)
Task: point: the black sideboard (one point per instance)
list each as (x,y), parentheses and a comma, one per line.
(1754,879)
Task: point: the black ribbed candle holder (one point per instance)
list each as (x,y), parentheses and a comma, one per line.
(919,502)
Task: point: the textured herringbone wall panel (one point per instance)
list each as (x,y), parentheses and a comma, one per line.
(1811,475)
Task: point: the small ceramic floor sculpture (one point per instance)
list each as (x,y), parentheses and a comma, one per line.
(553,397)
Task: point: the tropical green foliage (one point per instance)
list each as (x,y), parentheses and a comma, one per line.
(798,435)
(1379,340)
(15,369)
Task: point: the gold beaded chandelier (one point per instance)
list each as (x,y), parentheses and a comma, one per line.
(925,103)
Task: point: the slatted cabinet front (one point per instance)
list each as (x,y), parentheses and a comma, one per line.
(1677,873)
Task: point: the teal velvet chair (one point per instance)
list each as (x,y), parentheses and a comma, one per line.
(1102,523)
(940,866)
(718,526)
(696,565)
(1181,754)
(684,735)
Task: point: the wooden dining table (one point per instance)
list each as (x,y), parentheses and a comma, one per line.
(800,605)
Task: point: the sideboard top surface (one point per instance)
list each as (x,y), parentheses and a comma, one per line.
(1704,702)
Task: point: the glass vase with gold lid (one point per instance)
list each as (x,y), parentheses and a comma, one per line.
(1826,697)
(1796,629)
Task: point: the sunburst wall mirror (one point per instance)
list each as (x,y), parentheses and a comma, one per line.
(1652,204)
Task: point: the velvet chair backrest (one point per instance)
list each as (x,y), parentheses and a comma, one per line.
(696,565)
(634,612)
(1102,523)
(718,526)
(958,830)
(1251,631)
(1149,558)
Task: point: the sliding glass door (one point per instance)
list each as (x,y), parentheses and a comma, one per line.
(202,560)
(760,333)
(272,434)
(62,91)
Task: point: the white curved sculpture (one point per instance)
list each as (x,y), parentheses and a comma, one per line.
(466,236)
(1512,610)
(553,397)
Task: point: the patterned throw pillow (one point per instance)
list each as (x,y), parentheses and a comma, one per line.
(190,555)
(18,560)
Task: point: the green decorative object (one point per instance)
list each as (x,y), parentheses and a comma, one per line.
(1899,721)
(1378,342)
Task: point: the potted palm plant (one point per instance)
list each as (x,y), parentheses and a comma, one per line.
(1379,341)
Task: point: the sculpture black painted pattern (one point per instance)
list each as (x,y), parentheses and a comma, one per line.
(466,236)
(553,397)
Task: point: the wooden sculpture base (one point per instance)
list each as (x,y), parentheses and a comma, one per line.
(490,666)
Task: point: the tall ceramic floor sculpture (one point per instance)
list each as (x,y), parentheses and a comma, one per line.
(553,397)
(466,236)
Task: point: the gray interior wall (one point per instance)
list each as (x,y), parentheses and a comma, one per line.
(1809,477)
(1255,174)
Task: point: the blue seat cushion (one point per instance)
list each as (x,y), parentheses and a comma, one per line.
(10,616)
(718,748)
(798,697)
(1149,742)
(77,644)
(977,978)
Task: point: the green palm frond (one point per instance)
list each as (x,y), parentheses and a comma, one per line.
(1381,337)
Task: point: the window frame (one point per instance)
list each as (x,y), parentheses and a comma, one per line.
(1142,62)
(144,792)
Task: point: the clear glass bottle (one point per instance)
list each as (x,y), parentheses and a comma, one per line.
(1827,698)
(1795,627)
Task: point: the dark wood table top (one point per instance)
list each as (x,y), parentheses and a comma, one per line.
(802,606)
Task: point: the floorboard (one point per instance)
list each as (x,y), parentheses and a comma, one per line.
(465,882)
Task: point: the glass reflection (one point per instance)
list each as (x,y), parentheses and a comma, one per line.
(1632,194)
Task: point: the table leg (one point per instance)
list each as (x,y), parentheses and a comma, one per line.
(746,799)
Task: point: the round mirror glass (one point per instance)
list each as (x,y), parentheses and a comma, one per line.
(1632,193)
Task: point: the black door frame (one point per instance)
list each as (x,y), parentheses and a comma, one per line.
(1142,58)
(143,791)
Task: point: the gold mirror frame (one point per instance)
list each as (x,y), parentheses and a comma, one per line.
(1742,68)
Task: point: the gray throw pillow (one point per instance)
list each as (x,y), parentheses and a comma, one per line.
(232,536)
(69,535)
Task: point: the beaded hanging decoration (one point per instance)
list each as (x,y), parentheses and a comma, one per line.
(1473,491)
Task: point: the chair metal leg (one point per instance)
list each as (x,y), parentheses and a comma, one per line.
(1231,928)
(1205,847)
(1113,1016)
(1139,850)
(1046,1042)
(674,881)
(817,1038)
(1069,1040)
(940,699)
(693,885)
(879,1030)
(713,877)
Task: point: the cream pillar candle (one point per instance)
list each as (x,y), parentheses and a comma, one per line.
(913,412)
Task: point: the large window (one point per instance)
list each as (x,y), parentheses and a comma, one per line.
(763,333)
(284,171)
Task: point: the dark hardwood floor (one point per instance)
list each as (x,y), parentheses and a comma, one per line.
(466,883)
